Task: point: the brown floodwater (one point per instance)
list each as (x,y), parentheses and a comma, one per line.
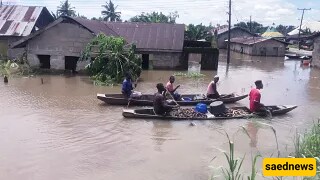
(60,131)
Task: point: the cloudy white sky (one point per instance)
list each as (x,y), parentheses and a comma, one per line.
(198,11)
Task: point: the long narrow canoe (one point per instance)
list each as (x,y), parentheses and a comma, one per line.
(147,100)
(149,113)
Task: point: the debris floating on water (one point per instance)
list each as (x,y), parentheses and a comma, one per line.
(192,124)
(5,79)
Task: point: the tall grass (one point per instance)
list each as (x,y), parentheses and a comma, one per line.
(307,145)
(233,170)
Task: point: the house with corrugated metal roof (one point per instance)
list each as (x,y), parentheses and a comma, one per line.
(17,22)
(234,32)
(60,44)
(258,46)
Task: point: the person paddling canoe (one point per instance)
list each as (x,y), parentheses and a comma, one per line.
(160,105)
(171,89)
(255,97)
(212,91)
(127,87)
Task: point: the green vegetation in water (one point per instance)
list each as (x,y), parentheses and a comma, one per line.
(233,170)
(189,74)
(14,68)
(110,59)
(307,145)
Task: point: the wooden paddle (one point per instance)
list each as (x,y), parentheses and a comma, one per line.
(135,85)
(176,103)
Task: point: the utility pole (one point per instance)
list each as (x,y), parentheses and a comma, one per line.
(304,9)
(250,25)
(229,28)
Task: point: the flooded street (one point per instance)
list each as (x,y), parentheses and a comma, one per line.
(59,130)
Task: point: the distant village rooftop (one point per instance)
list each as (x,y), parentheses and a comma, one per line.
(252,40)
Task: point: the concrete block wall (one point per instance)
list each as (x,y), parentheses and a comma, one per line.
(316,53)
(163,60)
(64,39)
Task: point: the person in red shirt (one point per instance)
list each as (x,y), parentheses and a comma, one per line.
(255,97)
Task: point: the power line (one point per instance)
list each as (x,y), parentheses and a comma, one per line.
(304,9)
(229,29)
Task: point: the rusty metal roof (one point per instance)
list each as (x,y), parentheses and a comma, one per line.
(18,20)
(151,36)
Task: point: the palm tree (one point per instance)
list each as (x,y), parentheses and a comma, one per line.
(65,9)
(110,13)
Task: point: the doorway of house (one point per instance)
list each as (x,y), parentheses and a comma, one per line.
(145,61)
(44,61)
(71,63)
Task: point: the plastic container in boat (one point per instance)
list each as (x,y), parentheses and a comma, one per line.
(201,108)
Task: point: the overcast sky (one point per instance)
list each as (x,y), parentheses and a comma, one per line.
(198,11)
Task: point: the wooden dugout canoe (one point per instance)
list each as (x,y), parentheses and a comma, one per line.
(148,113)
(147,100)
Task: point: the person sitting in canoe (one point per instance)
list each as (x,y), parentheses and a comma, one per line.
(160,105)
(212,92)
(127,87)
(171,89)
(255,96)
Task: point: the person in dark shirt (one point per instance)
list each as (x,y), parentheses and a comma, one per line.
(160,104)
(127,86)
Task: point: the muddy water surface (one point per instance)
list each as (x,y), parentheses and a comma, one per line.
(59,130)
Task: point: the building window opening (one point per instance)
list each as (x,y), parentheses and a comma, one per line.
(145,61)
(44,61)
(71,63)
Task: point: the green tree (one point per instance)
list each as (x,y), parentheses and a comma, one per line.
(155,17)
(111,58)
(284,29)
(255,27)
(110,13)
(198,32)
(82,16)
(97,19)
(65,9)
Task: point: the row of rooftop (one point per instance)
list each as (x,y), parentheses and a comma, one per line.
(33,30)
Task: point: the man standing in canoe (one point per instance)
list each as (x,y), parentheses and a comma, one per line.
(171,89)
(160,104)
(255,97)
(127,87)
(212,92)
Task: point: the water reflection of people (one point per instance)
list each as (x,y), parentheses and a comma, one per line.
(252,130)
(160,131)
